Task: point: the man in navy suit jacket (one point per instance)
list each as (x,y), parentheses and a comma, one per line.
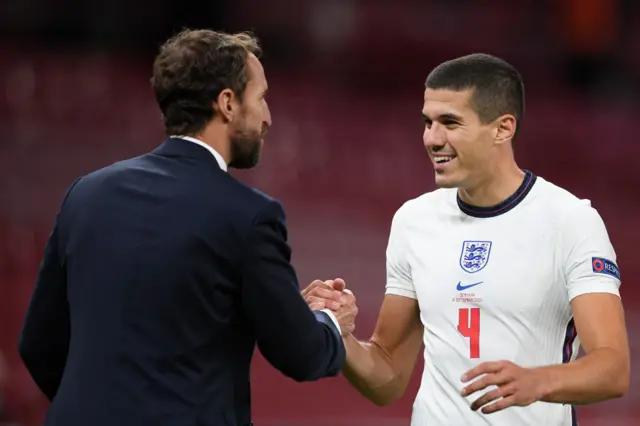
(163,271)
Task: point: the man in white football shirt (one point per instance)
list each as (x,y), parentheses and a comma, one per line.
(499,273)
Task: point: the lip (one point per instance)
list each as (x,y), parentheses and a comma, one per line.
(440,166)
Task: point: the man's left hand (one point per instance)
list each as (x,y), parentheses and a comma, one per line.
(517,386)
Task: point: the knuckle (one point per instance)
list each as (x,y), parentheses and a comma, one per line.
(323,292)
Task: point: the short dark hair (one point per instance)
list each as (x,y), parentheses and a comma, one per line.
(192,69)
(498,86)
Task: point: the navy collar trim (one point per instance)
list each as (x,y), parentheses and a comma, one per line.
(508,204)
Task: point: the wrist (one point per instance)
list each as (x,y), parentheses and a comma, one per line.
(333,318)
(550,382)
(349,340)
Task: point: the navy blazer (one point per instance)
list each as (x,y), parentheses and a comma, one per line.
(161,274)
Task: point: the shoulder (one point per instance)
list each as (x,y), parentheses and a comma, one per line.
(263,204)
(557,196)
(111,172)
(561,203)
(570,219)
(427,206)
(203,192)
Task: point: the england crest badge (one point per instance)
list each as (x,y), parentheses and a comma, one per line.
(475,255)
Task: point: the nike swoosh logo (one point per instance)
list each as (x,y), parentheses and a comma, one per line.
(464,287)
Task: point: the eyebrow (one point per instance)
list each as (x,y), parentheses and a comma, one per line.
(447,116)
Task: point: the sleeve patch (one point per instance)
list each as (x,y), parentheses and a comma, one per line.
(604,266)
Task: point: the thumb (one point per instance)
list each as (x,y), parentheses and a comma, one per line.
(339,284)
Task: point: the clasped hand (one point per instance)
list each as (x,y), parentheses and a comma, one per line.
(333,295)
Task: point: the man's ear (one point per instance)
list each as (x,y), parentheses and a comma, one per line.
(506,126)
(225,105)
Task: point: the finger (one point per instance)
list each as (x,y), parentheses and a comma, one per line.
(488,397)
(326,303)
(339,284)
(310,287)
(500,405)
(316,302)
(315,284)
(347,299)
(316,306)
(484,382)
(332,304)
(325,293)
(480,369)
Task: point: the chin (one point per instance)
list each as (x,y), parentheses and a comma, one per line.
(248,162)
(245,155)
(446,182)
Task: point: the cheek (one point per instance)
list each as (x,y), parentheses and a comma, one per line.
(248,116)
(257,112)
(471,147)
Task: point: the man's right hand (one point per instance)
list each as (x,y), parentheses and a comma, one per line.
(324,294)
(333,295)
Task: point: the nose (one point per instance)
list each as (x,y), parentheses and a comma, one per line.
(434,137)
(267,115)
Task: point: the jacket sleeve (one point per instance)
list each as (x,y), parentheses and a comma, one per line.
(302,344)
(44,339)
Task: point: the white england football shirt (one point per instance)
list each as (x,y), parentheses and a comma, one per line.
(493,284)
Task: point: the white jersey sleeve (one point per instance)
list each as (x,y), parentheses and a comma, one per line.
(590,265)
(399,280)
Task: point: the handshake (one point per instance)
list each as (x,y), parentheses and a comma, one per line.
(334,296)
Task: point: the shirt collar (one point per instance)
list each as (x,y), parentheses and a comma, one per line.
(216,154)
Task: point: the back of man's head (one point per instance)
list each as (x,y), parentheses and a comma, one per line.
(191,70)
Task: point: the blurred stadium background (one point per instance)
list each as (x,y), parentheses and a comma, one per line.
(345,150)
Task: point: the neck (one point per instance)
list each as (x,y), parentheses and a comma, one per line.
(216,140)
(494,188)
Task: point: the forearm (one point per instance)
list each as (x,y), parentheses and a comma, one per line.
(370,371)
(600,375)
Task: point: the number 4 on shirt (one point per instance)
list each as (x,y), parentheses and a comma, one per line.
(469,326)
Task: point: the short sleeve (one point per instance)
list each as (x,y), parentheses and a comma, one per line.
(399,280)
(590,260)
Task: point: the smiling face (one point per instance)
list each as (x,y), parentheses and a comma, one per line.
(459,145)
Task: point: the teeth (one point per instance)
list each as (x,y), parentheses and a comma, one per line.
(441,159)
